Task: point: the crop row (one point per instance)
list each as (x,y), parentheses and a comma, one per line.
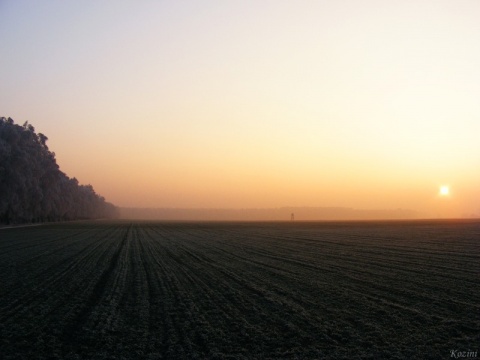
(239,290)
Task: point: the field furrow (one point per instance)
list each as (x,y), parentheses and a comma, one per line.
(149,290)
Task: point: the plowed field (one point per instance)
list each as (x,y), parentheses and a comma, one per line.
(146,290)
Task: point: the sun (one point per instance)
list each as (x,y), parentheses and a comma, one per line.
(444,190)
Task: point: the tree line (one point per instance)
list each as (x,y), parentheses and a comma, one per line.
(32,187)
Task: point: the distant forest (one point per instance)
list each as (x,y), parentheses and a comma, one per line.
(32,187)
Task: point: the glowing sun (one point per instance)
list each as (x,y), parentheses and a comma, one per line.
(444,190)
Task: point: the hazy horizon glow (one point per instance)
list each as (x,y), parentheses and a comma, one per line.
(364,104)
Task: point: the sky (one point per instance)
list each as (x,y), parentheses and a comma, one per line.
(253,104)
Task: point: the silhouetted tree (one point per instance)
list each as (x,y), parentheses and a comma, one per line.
(32,187)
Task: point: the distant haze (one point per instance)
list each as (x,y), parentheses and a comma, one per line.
(254,104)
(277,214)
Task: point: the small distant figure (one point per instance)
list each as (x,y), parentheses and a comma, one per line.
(292,217)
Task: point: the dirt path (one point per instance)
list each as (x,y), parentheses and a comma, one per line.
(19,226)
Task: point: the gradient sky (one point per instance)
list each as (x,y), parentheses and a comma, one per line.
(365,104)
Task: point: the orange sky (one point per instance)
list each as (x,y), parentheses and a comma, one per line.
(365,104)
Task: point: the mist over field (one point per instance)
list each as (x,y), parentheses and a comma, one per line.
(254,105)
(278,214)
(248,179)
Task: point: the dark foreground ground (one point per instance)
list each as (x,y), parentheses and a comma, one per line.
(125,290)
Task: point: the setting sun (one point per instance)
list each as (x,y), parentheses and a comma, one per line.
(252,104)
(444,191)
(239,179)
